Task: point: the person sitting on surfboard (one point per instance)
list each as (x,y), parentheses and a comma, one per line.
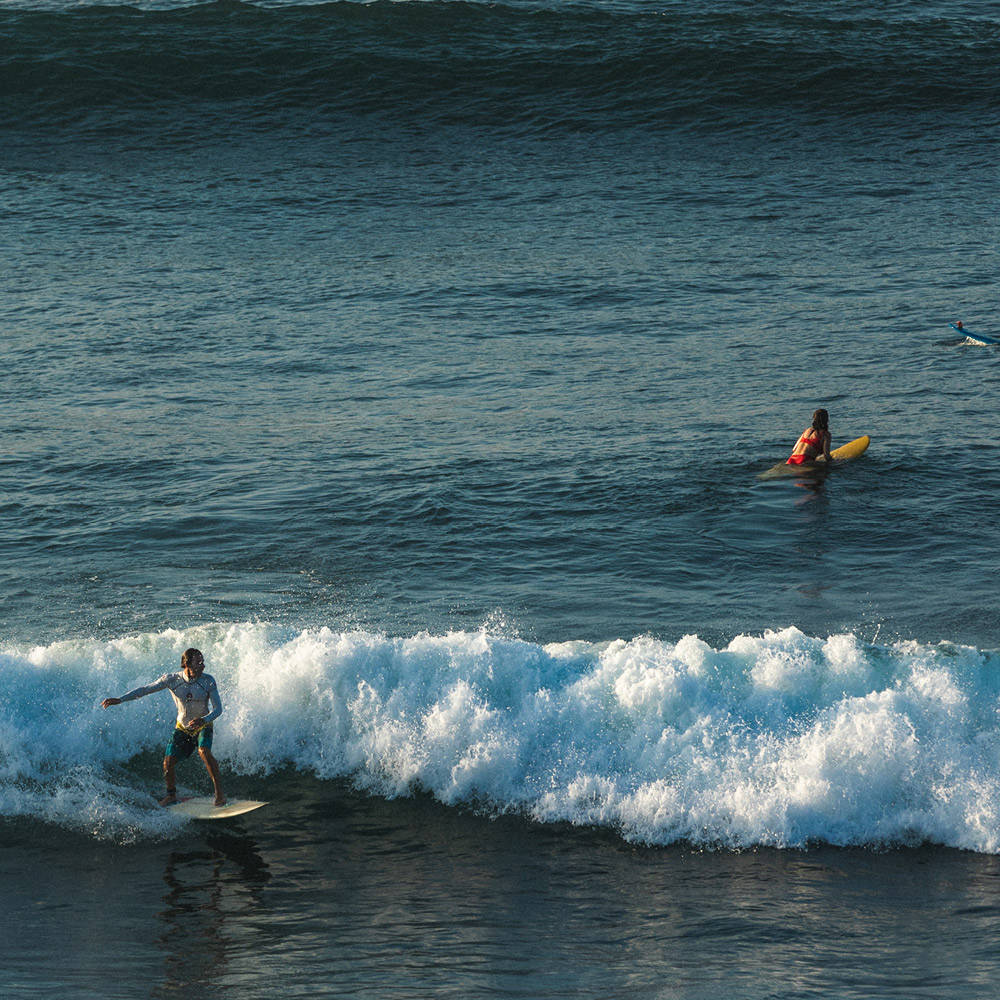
(813,444)
(192,690)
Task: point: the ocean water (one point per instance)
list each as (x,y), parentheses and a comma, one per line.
(417,361)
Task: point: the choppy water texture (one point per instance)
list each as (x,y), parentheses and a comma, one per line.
(417,362)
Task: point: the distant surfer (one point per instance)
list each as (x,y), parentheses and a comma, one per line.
(813,444)
(192,690)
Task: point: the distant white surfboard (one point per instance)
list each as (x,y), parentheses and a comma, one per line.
(205,807)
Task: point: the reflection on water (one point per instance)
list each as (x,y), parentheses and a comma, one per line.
(406,899)
(210,889)
(410,900)
(813,486)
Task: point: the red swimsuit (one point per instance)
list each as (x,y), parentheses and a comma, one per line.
(812,442)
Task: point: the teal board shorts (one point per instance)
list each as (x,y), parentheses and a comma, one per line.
(182,743)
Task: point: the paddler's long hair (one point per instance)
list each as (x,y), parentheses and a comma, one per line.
(821,420)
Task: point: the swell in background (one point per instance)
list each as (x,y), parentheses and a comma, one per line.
(406,316)
(113,72)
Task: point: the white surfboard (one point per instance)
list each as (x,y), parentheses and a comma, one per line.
(205,807)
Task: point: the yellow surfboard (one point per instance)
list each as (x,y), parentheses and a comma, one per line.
(851,450)
(842,454)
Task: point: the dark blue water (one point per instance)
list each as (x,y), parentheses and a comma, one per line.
(417,361)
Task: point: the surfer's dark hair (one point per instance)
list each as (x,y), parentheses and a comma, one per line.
(192,657)
(821,420)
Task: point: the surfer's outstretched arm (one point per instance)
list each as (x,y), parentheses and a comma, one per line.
(139,692)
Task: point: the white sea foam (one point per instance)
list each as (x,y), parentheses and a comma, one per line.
(780,739)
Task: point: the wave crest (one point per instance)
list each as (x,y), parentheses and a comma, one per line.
(781,739)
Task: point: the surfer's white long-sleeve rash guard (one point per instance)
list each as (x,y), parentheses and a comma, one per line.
(192,697)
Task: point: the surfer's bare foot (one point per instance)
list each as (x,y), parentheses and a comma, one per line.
(169,799)
(220,800)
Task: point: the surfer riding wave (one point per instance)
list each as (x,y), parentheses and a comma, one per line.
(193,690)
